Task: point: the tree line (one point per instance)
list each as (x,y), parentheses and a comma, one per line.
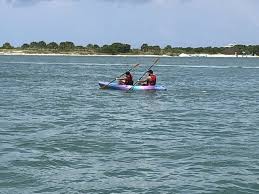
(121,48)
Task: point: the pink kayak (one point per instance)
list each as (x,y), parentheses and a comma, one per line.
(115,86)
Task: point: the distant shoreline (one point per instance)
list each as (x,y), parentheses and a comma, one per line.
(183,55)
(118,49)
(75,55)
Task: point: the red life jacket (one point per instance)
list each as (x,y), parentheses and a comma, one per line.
(128,80)
(152,81)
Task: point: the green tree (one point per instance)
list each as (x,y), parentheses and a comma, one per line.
(120,48)
(33,45)
(52,45)
(106,49)
(67,46)
(42,45)
(7,45)
(116,48)
(93,47)
(156,50)
(198,50)
(188,50)
(25,46)
(96,46)
(168,48)
(144,47)
(253,49)
(90,46)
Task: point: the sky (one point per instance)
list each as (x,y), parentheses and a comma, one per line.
(179,23)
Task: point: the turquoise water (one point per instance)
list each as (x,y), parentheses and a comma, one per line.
(60,134)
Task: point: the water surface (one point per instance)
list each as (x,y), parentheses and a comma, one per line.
(60,134)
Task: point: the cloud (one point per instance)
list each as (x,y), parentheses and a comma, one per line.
(145,1)
(128,1)
(33,2)
(25,2)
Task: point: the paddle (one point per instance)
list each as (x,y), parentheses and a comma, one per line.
(144,74)
(120,76)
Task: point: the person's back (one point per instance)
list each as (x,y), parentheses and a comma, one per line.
(151,80)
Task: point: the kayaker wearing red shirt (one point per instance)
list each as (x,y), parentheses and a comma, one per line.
(150,80)
(127,80)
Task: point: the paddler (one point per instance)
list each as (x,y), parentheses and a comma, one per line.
(150,80)
(126,80)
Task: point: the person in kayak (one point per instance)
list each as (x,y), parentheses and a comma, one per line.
(126,80)
(150,80)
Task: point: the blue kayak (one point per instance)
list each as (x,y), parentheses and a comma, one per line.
(115,86)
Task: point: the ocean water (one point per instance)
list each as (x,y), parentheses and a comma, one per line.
(59,133)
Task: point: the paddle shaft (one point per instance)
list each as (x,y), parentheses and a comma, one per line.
(121,75)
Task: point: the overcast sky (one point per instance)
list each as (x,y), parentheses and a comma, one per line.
(156,22)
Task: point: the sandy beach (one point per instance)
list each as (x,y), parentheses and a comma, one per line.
(20,53)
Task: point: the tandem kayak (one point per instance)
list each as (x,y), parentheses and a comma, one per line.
(115,86)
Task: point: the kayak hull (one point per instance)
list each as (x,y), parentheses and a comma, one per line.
(115,86)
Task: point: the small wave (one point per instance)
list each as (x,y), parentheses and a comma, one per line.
(208,66)
(250,67)
(117,64)
(197,66)
(58,63)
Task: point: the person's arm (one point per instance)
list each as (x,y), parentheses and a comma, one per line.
(145,80)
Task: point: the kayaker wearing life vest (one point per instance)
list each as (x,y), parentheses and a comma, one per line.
(127,80)
(150,80)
